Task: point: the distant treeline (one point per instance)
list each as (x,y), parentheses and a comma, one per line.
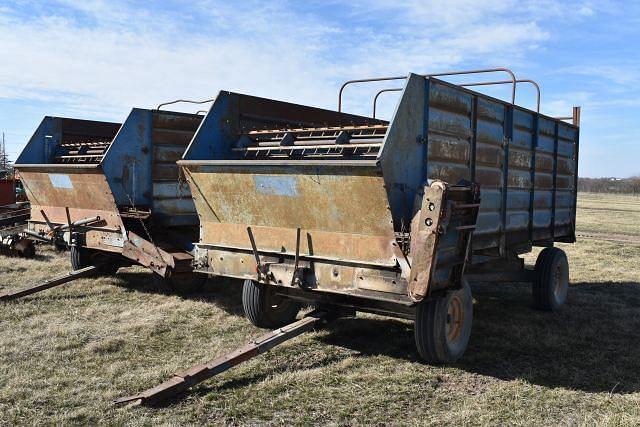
(610,185)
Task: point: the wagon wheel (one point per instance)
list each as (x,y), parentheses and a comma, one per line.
(82,257)
(26,248)
(264,308)
(551,283)
(443,325)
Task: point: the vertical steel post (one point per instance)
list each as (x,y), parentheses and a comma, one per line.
(534,149)
(555,181)
(505,178)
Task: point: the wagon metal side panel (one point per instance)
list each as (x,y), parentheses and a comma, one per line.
(565,166)
(342,211)
(525,164)
(172,204)
(127,162)
(53,131)
(519,186)
(403,155)
(84,190)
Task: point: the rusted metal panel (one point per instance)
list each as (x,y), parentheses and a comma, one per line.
(84,191)
(147,254)
(80,188)
(424,240)
(489,156)
(344,212)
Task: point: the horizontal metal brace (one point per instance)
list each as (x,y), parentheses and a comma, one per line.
(312,258)
(344,163)
(81,226)
(54,166)
(352,146)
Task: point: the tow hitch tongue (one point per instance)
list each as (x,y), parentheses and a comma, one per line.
(181,382)
(47,284)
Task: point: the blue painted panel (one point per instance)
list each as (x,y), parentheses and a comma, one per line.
(286,186)
(402,158)
(41,146)
(60,180)
(216,134)
(127,162)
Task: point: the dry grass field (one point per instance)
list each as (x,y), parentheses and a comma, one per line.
(67,353)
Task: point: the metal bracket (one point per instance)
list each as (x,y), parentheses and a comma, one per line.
(295,278)
(254,248)
(424,239)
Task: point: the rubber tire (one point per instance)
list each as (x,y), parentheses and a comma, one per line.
(182,283)
(549,262)
(80,257)
(83,257)
(29,251)
(430,328)
(260,310)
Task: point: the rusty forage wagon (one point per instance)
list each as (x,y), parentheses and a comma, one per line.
(316,206)
(113,193)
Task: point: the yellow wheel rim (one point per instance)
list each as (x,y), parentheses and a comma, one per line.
(455,319)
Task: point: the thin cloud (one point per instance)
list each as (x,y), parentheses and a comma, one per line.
(128,56)
(98,58)
(621,74)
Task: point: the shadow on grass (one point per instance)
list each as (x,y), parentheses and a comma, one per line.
(592,344)
(42,257)
(224,292)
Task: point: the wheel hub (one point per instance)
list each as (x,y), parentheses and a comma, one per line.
(455,319)
(559,281)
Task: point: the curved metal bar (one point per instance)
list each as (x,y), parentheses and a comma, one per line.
(376,79)
(532,82)
(188,101)
(502,82)
(375,98)
(448,73)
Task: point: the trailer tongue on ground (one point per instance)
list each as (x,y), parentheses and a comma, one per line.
(113,193)
(310,205)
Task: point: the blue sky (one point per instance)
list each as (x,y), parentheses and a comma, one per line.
(97,59)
